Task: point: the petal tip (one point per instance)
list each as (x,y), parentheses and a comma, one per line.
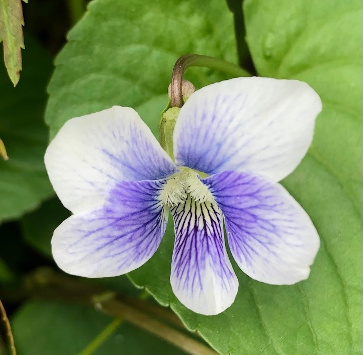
(210,306)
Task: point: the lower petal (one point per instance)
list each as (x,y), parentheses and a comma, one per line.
(202,277)
(270,236)
(115,239)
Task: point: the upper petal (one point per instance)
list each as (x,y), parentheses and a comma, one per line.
(116,238)
(202,277)
(270,236)
(92,153)
(258,125)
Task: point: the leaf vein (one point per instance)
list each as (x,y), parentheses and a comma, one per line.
(305,30)
(263,324)
(344,294)
(314,155)
(308,317)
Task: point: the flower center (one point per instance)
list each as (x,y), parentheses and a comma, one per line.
(183,184)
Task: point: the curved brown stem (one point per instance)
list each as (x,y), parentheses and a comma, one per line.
(188,60)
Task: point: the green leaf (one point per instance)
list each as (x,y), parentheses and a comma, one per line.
(44,328)
(6,274)
(123,54)
(110,59)
(23,180)
(320,42)
(11,34)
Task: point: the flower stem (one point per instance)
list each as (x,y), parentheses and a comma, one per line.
(46,284)
(196,60)
(153,326)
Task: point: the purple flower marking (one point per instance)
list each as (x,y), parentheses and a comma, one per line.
(244,135)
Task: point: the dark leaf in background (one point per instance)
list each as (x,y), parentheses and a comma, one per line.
(24,183)
(44,328)
(38,226)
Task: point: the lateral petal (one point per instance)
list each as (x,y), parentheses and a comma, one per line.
(270,236)
(116,238)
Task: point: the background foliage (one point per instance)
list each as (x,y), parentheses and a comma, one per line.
(123,53)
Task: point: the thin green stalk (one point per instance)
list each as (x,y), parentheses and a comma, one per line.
(107,332)
(196,60)
(154,326)
(101,337)
(47,284)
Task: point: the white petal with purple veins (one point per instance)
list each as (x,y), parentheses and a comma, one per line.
(115,239)
(259,125)
(270,236)
(92,153)
(202,277)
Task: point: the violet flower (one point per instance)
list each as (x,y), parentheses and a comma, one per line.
(233,141)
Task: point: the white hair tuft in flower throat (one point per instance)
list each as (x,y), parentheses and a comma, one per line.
(183,184)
